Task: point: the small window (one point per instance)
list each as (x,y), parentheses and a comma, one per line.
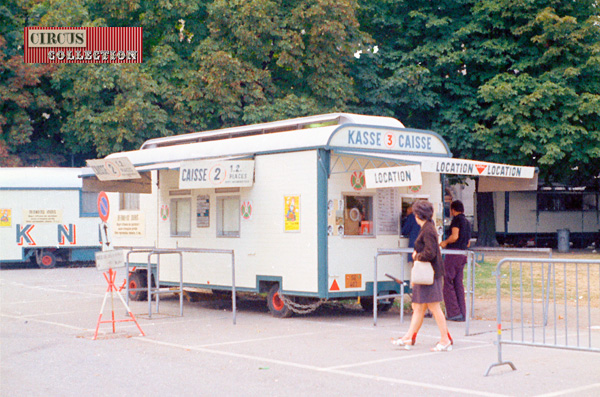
(228,216)
(590,201)
(181,217)
(561,202)
(129,201)
(358,216)
(89,204)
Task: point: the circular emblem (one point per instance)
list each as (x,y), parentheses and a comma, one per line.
(354,214)
(415,189)
(217,174)
(164,212)
(357,180)
(246,210)
(113,169)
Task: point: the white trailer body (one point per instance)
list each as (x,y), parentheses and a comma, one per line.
(311,216)
(45,216)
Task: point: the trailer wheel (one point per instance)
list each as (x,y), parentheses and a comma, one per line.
(138,280)
(366,303)
(47,260)
(276,305)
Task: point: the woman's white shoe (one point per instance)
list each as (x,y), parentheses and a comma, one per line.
(442,348)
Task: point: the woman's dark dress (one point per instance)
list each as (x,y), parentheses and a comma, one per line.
(428,250)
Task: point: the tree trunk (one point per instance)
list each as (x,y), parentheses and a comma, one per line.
(486,221)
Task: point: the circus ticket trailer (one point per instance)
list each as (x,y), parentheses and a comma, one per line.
(304,203)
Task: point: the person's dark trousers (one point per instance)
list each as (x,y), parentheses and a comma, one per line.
(454,290)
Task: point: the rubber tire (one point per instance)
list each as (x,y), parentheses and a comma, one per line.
(138,280)
(276,306)
(47,260)
(366,303)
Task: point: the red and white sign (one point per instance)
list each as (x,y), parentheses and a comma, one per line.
(477,168)
(83,45)
(103,206)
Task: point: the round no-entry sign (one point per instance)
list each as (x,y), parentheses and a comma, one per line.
(103,206)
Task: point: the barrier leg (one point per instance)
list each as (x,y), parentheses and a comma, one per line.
(499,323)
(100,316)
(130,314)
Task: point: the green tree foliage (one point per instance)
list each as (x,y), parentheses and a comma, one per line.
(544,108)
(113,107)
(207,64)
(25,107)
(510,81)
(502,80)
(267,60)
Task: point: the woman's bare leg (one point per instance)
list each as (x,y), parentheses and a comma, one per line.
(440,319)
(416,321)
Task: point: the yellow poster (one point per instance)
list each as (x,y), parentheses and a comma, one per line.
(292,213)
(5,217)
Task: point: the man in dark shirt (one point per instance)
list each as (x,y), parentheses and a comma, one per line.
(459,239)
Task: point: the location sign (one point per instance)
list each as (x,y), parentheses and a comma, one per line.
(409,175)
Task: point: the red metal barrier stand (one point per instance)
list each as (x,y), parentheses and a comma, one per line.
(110,276)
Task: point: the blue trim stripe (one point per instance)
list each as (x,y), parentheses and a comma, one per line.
(323,160)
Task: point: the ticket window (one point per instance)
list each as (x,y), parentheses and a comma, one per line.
(407,202)
(358,216)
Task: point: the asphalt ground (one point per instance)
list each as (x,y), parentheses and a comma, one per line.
(48,319)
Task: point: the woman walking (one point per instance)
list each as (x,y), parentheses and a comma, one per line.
(427,296)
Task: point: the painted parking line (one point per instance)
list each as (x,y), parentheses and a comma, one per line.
(427,386)
(259,339)
(573,391)
(37,320)
(53,300)
(47,289)
(403,357)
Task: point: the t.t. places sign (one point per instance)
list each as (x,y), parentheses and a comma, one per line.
(203,174)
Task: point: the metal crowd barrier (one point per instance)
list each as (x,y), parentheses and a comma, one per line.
(470,284)
(501,250)
(545,299)
(156,291)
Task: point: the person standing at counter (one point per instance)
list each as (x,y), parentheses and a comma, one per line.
(410,227)
(459,239)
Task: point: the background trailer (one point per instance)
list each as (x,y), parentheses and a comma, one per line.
(304,203)
(46,217)
(535,217)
